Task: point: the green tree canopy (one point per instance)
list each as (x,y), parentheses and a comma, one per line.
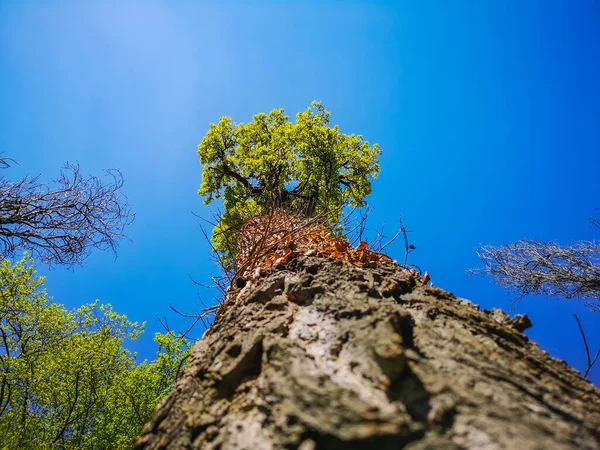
(66,379)
(306,167)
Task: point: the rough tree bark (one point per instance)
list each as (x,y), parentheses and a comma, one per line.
(321,354)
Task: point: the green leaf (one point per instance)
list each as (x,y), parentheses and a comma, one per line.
(306,167)
(66,377)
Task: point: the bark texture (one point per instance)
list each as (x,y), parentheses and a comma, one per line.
(321,354)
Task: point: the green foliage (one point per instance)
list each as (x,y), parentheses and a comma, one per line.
(67,381)
(307,167)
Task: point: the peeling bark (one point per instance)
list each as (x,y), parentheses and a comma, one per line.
(324,355)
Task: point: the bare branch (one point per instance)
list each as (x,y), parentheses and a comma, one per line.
(180,367)
(63,222)
(5,163)
(407,247)
(402,230)
(376,242)
(590,362)
(164,323)
(197,317)
(545,268)
(595,220)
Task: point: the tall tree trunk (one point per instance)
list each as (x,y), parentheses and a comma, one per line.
(321,354)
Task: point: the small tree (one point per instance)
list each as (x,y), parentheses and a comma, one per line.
(61,223)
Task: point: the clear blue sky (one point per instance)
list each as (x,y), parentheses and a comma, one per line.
(488,114)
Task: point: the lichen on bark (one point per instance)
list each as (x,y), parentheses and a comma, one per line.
(321,354)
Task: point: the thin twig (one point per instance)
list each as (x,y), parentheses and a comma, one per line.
(180,366)
(406,246)
(400,231)
(587,350)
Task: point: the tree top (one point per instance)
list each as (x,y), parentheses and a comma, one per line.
(306,167)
